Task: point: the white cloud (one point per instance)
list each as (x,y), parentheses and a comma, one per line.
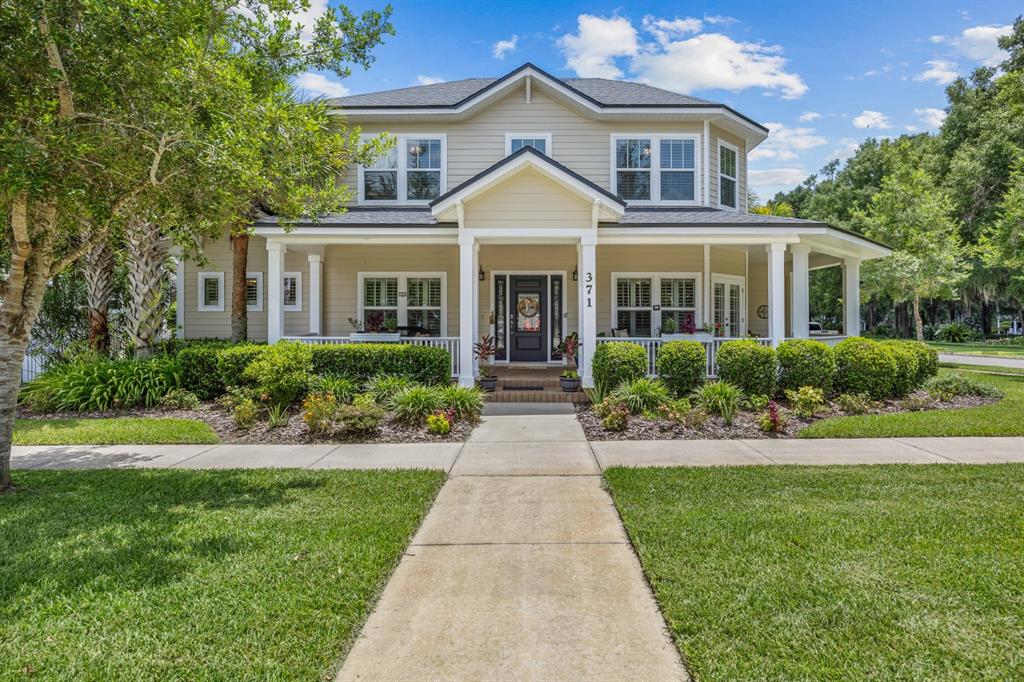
(930,116)
(768,182)
(591,51)
(940,71)
(847,148)
(319,85)
(912,128)
(503,47)
(783,143)
(428,80)
(809,116)
(979,43)
(675,59)
(871,119)
(720,19)
(937,39)
(308,18)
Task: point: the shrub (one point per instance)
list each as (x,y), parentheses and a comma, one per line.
(199,362)
(803,362)
(864,366)
(955,332)
(677,411)
(318,410)
(917,402)
(697,418)
(360,362)
(904,379)
(719,398)
(641,395)
(772,421)
(618,362)
(605,407)
(234,395)
(749,366)
(854,403)
(617,419)
(232,361)
(384,387)
(181,398)
(806,401)
(102,385)
(414,404)
(439,423)
(364,400)
(949,386)
(342,389)
(598,393)
(245,413)
(277,416)
(358,419)
(465,402)
(927,361)
(754,403)
(281,372)
(682,365)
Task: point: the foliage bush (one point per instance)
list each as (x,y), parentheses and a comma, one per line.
(749,366)
(604,408)
(199,367)
(917,402)
(618,362)
(233,360)
(364,400)
(281,372)
(642,395)
(905,378)
(384,387)
(854,403)
(956,332)
(677,411)
(806,401)
(864,366)
(927,361)
(103,385)
(277,416)
(681,365)
(804,362)
(754,403)
(773,420)
(465,402)
(358,419)
(342,389)
(360,362)
(414,404)
(955,385)
(719,398)
(245,413)
(439,423)
(617,419)
(181,398)
(318,410)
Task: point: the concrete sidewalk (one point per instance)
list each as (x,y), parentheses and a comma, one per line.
(982,360)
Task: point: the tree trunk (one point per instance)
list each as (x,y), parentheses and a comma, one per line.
(986,318)
(917,317)
(99,282)
(239,307)
(12,354)
(147,255)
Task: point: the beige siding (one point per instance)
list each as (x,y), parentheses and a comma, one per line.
(757,295)
(528,199)
(741,185)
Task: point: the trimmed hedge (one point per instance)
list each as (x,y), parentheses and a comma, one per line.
(360,362)
(748,365)
(681,366)
(199,371)
(618,362)
(804,362)
(864,366)
(904,380)
(927,360)
(232,361)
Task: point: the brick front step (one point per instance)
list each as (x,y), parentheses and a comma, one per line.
(548,394)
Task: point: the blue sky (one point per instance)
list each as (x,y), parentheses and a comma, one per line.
(822,75)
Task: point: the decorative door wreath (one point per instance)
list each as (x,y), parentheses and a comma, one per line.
(528,307)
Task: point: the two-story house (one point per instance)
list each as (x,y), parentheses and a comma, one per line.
(529,207)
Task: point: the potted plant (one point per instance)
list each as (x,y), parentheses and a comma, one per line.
(375,327)
(483,350)
(687,331)
(570,378)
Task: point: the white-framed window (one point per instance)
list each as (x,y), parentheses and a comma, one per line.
(413,171)
(644,304)
(415,302)
(728,175)
(539,141)
(254,292)
(291,291)
(211,292)
(659,168)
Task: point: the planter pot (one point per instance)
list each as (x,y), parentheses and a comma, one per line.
(376,337)
(569,385)
(699,336)
(488,383)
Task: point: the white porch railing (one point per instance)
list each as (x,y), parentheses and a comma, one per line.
(449,343)
(652,344)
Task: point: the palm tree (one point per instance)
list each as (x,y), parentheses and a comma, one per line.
(775,208)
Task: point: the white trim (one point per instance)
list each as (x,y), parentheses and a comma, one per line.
(297,306)
(736,179)
(656,169)
(315,261)
(718,277)
(707,163)
(200,293)
(656,277)
(401,170)
(403,298)
(529,136)
(179,295)
(258,307)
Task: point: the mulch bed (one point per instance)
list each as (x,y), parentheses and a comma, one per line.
(744,426)
(293,432)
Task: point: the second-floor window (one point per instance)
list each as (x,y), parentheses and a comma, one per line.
(539,141)
(655,169)
(727,174)
(412,171)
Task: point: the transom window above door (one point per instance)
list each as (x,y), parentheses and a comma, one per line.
(539,141)
(656,169)
(411,172)
(414,302)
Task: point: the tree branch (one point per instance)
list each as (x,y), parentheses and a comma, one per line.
(67,103)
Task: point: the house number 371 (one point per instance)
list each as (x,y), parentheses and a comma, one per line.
(588,278)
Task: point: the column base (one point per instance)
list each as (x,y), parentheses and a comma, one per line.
(467,380)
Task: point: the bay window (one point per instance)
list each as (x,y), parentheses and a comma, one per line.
(656,169)
(411,171)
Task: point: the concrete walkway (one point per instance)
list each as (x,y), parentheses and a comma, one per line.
(982,360)
(520,571)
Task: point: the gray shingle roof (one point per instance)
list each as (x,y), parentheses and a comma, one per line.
(384,216)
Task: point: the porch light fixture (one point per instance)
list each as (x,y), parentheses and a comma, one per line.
(576,274)
(480,275)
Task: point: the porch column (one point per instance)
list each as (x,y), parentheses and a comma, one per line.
(587,265)
(179,292)
(851,297)
(467,283)
(800,308)
(777,293)
(275,295)
(476,301)
(315,266)
(706,287)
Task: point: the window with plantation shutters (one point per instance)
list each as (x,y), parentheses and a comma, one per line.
(423,306)
(210,292)
(412,303)
(633,303)
(648,305)
(380,296)
(727,175)
(679,304)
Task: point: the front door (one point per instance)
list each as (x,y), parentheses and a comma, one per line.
(728,303)
(528,309)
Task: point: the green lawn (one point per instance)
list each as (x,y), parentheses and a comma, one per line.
(819,573)
(118,431)
(1004,418)
(189,575)
(1006,350)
